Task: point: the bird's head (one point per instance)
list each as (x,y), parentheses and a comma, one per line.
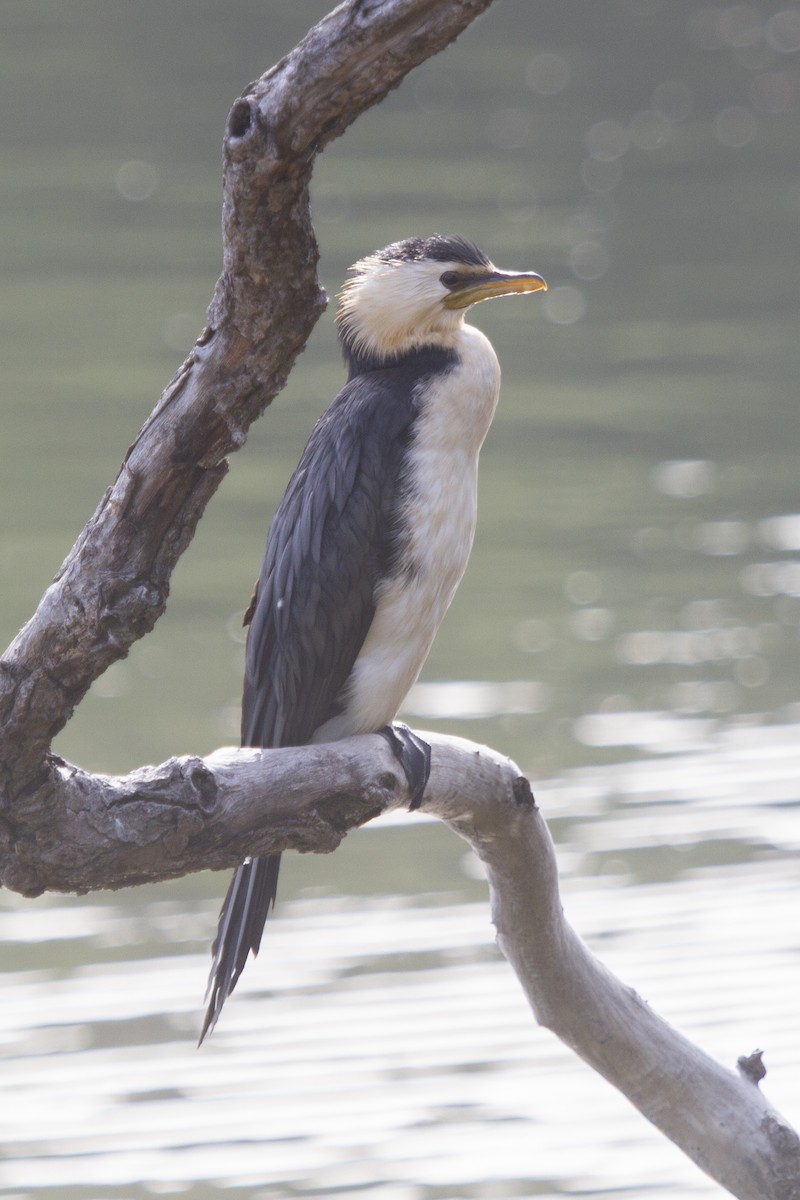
(416,292)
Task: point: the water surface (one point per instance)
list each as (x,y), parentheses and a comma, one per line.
(628,630)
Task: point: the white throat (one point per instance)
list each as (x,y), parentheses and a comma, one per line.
(388,309)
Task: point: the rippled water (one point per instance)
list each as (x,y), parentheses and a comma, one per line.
(629,627)
(381,1046)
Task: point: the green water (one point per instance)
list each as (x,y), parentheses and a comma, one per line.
(687,348)
(635,584)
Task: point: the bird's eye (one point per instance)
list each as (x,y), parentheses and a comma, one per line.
(449,279)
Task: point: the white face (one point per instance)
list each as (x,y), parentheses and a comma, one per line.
(390,308)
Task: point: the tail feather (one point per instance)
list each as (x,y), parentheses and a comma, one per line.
(251,895)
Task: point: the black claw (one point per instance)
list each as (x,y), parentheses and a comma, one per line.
(414,756)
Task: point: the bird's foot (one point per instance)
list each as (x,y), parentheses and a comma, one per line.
(413,755)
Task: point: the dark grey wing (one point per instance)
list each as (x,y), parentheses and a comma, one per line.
(330,542)
(333,537)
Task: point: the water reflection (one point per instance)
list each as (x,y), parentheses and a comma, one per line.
(637,555)
(383,1043)
(471,699)
(685,477)
(688,647)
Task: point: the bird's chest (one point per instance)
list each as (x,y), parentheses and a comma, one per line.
(438,518)
(439,507)
(434,527)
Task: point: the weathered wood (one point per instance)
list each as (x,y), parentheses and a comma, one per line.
(85,832)
(718,1117)
(64,829)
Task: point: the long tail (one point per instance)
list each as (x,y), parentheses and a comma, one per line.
(251,895)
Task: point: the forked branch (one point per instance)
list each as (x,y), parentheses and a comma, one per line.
(61,828)
(114,584)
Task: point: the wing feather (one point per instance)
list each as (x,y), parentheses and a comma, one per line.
(329,544)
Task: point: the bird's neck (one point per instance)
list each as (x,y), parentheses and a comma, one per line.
(422,359)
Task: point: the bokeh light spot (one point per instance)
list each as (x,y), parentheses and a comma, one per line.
(136,180)
(564,305)
(547,73)
(735,126)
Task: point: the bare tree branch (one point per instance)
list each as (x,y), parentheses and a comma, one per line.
(192,813)
(64,829)
(114,584)
(720,1119)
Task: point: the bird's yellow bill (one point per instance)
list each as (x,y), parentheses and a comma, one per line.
(499,283)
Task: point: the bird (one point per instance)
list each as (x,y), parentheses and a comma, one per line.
(372,536)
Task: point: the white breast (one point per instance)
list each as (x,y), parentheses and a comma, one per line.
(440,512)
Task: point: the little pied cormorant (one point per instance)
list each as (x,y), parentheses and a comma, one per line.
(372,536)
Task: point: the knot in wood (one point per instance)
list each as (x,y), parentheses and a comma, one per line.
(241,119)
(523,796)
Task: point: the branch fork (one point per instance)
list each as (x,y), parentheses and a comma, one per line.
(64,829)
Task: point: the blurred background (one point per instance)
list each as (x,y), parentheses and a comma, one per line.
(628,629)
